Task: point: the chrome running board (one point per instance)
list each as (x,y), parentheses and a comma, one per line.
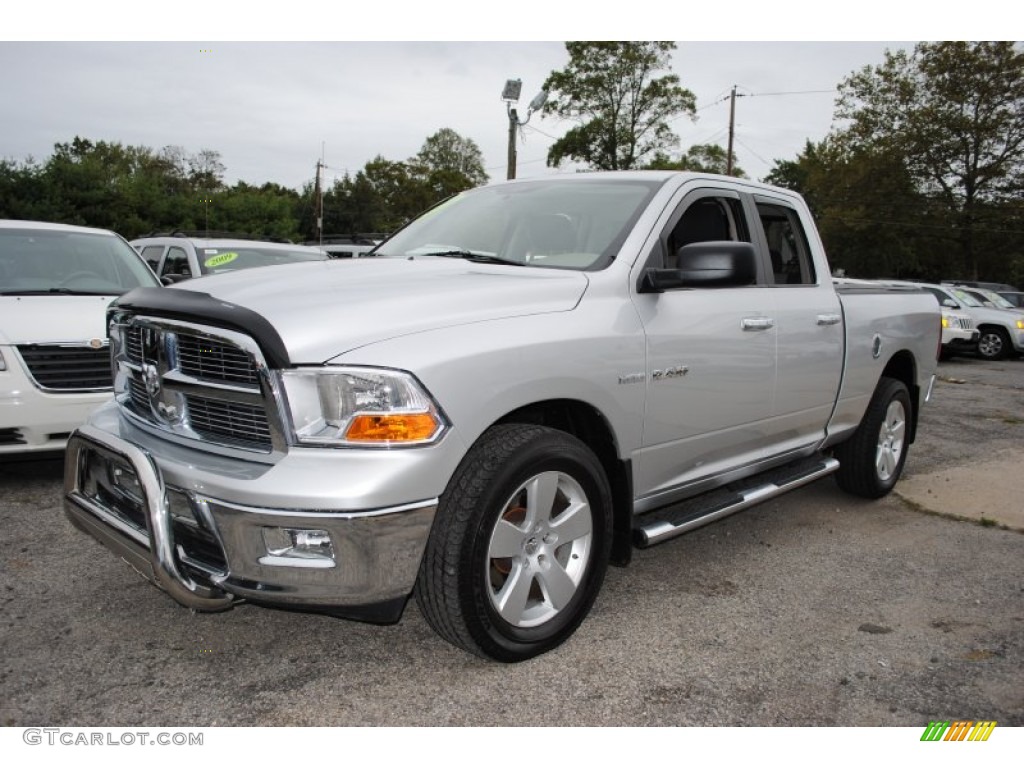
(665,524)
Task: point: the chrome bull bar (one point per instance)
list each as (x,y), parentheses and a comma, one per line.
(151,552)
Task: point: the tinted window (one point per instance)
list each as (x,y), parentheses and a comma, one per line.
(787,245)
(152,254)
(176,263)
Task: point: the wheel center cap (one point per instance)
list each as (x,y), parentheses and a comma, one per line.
(532,545)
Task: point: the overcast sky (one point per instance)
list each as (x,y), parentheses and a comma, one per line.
(271,108)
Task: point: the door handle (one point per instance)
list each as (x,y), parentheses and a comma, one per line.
(757,323)
(829,319)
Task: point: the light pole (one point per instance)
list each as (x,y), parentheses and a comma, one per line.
(510,95)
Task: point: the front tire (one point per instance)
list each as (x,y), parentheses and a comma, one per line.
(871,461)
(993,343)
(519,546)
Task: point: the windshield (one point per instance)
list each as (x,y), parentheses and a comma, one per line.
(965,298)
(60,261)
(551,223)
(995,298)
(213,261)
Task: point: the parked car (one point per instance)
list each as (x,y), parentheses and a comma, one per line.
(56,282)
(1001,332)
(347,246)
(990,298)
(180,256)
(958,333)
(556,370)
(1014,297)
(981,284)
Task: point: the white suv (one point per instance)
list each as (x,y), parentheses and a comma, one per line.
(179,256)
(55,284)
(1001,332)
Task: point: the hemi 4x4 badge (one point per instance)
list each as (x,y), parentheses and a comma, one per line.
(632,378)
(669,373)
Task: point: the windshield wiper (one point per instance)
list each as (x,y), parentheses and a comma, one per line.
(57,291)
(484,258)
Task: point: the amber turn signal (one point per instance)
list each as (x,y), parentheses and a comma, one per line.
(392,428)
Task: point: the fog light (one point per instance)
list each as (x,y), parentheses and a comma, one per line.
(126,481)
(298,547)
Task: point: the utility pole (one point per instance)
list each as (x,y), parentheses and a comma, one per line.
(732,130)
(513,123)
(319,206)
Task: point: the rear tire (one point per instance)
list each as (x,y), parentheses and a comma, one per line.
(871,461)
(519,546)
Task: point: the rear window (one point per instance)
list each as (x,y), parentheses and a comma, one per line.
(216,260)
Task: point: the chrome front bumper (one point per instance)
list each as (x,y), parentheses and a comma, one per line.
(207,552)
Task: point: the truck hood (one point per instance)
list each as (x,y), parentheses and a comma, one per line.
(323,309)
(53,318)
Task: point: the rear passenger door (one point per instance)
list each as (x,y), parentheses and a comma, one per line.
(809,327)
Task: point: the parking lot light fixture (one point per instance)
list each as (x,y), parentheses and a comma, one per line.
(510,95)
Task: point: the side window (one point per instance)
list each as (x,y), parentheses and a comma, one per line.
(176,263)
(152,254)
(706,219)
(787,245)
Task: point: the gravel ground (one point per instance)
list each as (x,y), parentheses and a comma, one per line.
(813,609)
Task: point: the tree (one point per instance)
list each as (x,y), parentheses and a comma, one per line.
(623,110)
(451,159)
(871,217)
(954,111)
(701,158)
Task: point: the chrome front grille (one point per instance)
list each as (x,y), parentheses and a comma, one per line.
(68,367)
(196,383)
(224,421)
(213,361)
(967,323)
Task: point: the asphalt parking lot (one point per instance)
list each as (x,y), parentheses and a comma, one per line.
(813,609)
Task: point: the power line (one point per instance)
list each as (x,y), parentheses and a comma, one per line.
(788,93)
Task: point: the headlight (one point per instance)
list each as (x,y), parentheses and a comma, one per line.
(949,322)
(1020,325)
(360,407)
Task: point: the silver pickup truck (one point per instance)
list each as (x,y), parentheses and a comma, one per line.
(522,385)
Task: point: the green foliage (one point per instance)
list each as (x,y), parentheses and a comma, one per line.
(700,158)
(621,107)
(134,190)
(386,194)
(450,163)
(953,112)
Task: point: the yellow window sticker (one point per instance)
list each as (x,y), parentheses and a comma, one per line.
(220,260)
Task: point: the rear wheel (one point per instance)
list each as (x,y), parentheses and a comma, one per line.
(871,461)
(519,546)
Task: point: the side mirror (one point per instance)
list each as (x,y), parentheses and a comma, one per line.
(172,279)
(713,264)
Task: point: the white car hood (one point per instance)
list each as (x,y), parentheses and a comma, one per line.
(53,318)
(324,309)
